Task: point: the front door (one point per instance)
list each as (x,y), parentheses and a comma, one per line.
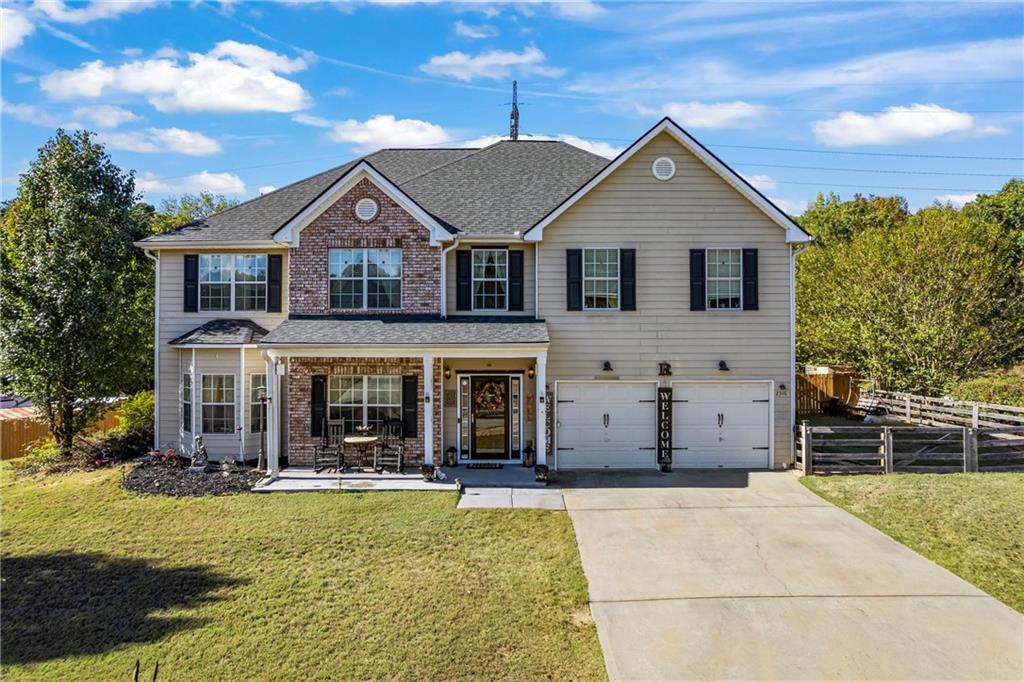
(489,404)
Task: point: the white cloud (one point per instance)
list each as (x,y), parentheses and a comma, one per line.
(231,77)
(167,52)
(386,131)
(29,113)
(310,120)
(215,183)
(957,200)
(761,181)
(57,10)
(162,140)
(14,28)
(339,92)
(474,31)
(790,206)
(105,115)
(496,64)
(696,114)
(896,125)
(593,146)
(577,9)
(266,189)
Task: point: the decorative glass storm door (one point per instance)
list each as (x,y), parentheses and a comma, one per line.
(490,417)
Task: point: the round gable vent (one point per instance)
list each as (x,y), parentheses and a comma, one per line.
(366,209)
(663,168)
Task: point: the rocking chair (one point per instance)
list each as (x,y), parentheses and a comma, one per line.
(390,449)
(330,451)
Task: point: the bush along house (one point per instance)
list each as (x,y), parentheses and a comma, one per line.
(527,302)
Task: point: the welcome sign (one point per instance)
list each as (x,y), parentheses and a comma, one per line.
(664,435)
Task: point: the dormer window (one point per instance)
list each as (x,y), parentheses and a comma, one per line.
(490,279)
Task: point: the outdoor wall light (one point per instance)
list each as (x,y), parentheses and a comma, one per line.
(664,369)
(607,366)
(447,372)
(532,372)
(722,367)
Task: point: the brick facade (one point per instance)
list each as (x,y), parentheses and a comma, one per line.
(338,227)
(299,382)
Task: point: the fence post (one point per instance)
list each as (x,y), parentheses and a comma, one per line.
(887,452)
(805,445)
(970,450)
(974,415)
(906,406)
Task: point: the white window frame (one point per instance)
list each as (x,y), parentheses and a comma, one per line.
(474,279)
(366,277)
(186,402)
(363,403)
(232,283)
(617,278)
(255,414)
(233,404)
(708,278)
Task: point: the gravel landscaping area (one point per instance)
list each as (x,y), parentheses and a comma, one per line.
(178,482)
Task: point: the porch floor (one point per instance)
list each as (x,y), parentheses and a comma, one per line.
(306,480)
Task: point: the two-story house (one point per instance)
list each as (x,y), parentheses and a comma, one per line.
(527,295)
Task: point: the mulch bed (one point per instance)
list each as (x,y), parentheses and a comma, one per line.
(178,482)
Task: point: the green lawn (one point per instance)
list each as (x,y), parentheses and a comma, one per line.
(973,524)
(286,586)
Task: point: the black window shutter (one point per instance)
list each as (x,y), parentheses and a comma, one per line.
(574,279)
(191,283)
(627,279)
(410,404)
(274,283)
(697,282)
(750,279)
(515,280)
(463,280)
(318,406)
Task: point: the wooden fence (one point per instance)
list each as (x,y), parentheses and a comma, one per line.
(923,449)
(17,434)
(920,409)
(814,391)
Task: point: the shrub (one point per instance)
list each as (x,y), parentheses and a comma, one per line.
(1004,387)
(137,413)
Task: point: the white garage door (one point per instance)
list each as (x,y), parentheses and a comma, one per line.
(605,425)
(720,424)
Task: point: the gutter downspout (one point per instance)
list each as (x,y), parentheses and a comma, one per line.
(444,277)
(156,348)
(792,347)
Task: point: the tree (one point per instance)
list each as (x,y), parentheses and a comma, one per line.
(1006,209)
(919,306)
(185,209)
(75,294)
(830,219)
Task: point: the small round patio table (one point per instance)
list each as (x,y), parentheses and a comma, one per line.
(361,444)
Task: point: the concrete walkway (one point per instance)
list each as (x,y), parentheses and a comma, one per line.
(749,576)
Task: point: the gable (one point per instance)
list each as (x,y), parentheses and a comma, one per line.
(700,176)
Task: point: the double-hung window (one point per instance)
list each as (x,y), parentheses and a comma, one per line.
(490,279)
(186,402)
(232,282)
(257,389)
(218,396)
(365,279)
(368,400)
(724,279)
(600,279)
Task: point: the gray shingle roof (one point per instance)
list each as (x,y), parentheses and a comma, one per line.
(398,330)
(223,332)
(499,189)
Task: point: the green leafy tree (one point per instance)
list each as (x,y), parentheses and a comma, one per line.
(75,294)
(184,209)
(1006,209)
(919,306)
(830,219)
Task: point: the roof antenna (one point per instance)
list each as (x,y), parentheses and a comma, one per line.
(513,129)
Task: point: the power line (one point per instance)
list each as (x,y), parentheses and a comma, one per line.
(870,170)
(874,186)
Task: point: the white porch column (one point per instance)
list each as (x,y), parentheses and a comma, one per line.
(243,406)
(273,416)
(542,409)
(197,395)
(428,410)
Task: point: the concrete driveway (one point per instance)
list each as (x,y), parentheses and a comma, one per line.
(725,575)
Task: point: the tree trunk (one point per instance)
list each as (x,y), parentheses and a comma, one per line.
(65,434)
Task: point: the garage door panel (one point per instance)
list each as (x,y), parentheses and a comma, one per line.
(586,438)
(741,441)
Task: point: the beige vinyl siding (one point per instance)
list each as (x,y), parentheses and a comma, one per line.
(174,322)
(529,281)
(663,221)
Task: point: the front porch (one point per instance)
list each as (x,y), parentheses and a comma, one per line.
(295,479)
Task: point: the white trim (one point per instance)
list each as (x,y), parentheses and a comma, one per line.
(291,230)
(618,278)
(473,280)
(242,405)
(518,456)
(654,424)
(233,403)
(771,406)
(520,350)
(365,279)
(792,349)
(428,410)
(195,404)
(444,276)
(707,294)
(203,245)
(793,231)
(215,346)
(232,283)
(156,352)
(540,389)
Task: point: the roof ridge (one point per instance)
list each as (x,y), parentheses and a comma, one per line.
(473,152)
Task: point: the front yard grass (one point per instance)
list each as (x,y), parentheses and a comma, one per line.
(972,524)
(286,586)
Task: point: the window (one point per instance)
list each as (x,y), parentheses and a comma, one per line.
(186,402)
(490,279)
(365,279)
(257,389)
(600,279)
(724,279)
(364,400)
(232,282)
(218,403)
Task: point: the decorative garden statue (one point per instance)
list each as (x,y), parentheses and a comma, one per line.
(199,456)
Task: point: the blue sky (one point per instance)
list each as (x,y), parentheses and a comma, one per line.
(242,97)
